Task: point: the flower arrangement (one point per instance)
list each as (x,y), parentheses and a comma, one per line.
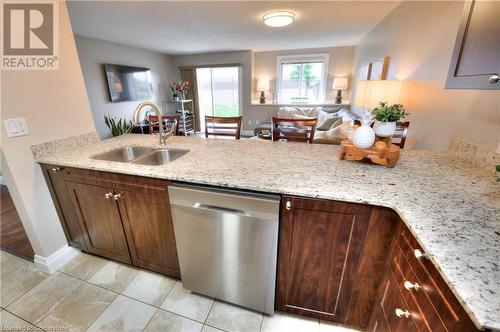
(179,87)
(389,113)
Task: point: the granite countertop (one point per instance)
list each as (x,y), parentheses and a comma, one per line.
(452,209)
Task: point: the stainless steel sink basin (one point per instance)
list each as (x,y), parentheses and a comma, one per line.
(160,157)
(125,154)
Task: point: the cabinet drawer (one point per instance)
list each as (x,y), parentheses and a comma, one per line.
(115,180)
(422,310)
(451,313)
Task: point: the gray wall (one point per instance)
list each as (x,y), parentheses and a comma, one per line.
(93,53)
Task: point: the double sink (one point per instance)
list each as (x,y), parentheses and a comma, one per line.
(142,155)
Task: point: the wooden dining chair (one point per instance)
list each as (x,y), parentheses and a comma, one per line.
(401,134)
(301,130)
(169,120)
(223,126)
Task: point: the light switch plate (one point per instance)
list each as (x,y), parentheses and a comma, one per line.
(16,127)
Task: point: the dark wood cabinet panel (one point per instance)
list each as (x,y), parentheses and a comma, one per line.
(64,207)
(475,61)
(319,251)
(148,225)
(100,220)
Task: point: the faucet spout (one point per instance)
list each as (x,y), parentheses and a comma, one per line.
(163,134)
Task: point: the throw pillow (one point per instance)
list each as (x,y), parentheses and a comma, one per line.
(329,120)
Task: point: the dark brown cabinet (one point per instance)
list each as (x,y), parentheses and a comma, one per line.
(100,219)
(121,217)
(475,63)
(413,296)
(148,224)
(329,258)
(64,207)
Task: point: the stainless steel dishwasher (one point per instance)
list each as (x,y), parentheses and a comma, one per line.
(227,244)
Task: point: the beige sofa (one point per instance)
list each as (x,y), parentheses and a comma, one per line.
(331,127)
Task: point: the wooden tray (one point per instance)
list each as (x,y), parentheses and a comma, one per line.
(378,155)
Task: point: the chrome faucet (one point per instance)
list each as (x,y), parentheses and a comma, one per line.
(163,134)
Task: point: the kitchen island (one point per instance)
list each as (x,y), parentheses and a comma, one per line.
(452,209)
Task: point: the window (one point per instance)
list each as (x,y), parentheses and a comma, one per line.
(302,78)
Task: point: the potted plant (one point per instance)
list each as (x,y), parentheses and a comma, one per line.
(179,88)
(118,127)
(387,116)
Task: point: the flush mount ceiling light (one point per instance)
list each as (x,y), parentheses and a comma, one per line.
(278,19)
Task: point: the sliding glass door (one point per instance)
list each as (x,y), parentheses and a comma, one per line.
(219,92)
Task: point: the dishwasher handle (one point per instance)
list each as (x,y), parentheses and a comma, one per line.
(216,208)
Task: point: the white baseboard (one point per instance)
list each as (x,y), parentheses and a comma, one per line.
(57,260)
(2,181)
(247,133)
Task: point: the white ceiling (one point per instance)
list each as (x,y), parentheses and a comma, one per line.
(185,27)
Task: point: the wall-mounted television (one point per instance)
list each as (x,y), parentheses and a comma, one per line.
(128,83)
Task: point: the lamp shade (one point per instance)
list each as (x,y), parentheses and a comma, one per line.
(340,83)
(370,93)
(262,85)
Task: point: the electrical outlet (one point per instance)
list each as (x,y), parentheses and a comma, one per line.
(257,122)
(16,127)
(249,122)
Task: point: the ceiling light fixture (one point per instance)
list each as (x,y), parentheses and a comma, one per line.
(278,19)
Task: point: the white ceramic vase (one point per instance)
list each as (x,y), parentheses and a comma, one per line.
(364,137)
(385,129)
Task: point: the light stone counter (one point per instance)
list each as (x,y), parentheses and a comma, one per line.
(453,209)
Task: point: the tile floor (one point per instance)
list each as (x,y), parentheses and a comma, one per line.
(94,294)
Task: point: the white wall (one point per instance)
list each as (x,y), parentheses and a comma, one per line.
(93,53)
(55,106)
(340,65)
(419,38)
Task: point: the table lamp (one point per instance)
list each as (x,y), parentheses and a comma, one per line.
(262,86)
(339,84)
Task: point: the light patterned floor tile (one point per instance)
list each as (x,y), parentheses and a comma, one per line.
(79,310)
(207,328)
(9,322)
(18,282)
(83,266)
(114,276)
(281,322)
(124,314)
(150,288)
(44,297)
(9,263)
(185,303)
(325,326)
(168,322)
(234,319)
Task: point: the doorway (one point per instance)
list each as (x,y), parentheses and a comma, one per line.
(219,92)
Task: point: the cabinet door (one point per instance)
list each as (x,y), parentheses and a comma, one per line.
(319,250)
(99,217)
(148,224)
(64,207)
(475,62)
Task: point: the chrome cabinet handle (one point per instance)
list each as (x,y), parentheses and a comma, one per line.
(494,79)
(409,285)
(108,195)
(288,205)
(117,196)
(419,254)
(56,169)
(402,313)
